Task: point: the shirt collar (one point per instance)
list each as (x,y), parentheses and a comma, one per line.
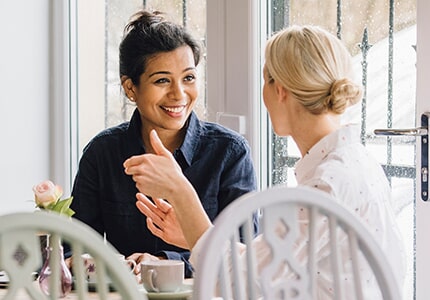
(188,147)
(192,138)
(346,135)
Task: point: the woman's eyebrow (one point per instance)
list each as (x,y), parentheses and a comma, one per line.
(159,72)
(167,72)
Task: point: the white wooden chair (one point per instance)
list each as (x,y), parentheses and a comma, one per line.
(350,248)
(20,256)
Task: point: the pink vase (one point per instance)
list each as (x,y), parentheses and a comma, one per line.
(66,279)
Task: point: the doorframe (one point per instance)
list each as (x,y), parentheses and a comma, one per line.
(422,209)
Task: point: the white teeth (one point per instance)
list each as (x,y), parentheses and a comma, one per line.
(175,109)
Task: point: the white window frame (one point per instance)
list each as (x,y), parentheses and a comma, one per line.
(422,209)
(70,84)
(234,74)
(63,130)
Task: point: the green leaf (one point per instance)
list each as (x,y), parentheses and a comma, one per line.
(69,212)
(63,207)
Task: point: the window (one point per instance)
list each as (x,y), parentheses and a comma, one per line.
(382,37)
(380,34)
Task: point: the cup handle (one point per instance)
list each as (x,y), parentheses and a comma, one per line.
(150,274)
(132,262)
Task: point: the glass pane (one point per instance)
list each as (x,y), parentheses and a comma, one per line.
(115,108)
(386,66)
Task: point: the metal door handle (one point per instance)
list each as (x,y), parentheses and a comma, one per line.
(423,132)
(420,131)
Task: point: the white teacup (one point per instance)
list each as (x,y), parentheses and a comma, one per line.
(90,265)
(162,275)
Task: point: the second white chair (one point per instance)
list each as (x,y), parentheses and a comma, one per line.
(310,248)
(20,256)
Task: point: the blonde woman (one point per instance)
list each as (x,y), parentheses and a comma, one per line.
(308,84)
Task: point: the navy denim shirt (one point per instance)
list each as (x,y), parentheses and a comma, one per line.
(215,160)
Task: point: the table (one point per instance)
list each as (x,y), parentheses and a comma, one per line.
(22,295)
(72,296)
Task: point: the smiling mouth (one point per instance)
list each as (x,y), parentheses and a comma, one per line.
(174,109)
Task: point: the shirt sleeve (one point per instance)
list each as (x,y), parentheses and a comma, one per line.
(85,192)
(238,177)
(184,256)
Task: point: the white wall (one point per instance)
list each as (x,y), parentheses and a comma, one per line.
(24,103)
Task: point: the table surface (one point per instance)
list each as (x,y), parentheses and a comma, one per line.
(72,296)
(22,295)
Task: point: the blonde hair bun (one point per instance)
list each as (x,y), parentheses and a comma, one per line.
(343,93)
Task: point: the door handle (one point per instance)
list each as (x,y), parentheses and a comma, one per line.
(422,132)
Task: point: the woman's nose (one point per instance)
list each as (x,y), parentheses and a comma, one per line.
(177,91)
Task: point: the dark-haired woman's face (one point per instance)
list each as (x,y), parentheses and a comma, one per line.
(167,90)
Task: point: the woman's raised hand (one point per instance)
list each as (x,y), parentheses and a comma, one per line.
(161,220)
(156,175)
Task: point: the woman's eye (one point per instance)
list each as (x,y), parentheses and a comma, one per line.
(190,78)
(162,80)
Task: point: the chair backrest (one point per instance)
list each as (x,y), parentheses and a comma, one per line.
(21,256)
(310,247)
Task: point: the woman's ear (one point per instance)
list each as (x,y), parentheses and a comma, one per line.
(128,86)
(281,92)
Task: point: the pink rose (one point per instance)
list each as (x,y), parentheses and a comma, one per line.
(46,193)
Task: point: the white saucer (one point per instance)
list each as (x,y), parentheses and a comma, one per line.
(4,279)
(184,293)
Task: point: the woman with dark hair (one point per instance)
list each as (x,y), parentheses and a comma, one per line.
(158,61)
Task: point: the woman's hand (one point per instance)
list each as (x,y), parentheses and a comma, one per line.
(161,220)
(159,176)
(156,175)
(138,258)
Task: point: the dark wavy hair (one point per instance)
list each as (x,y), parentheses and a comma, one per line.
(147,34)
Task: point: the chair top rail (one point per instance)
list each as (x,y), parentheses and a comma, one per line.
(78,233)
(236,212)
